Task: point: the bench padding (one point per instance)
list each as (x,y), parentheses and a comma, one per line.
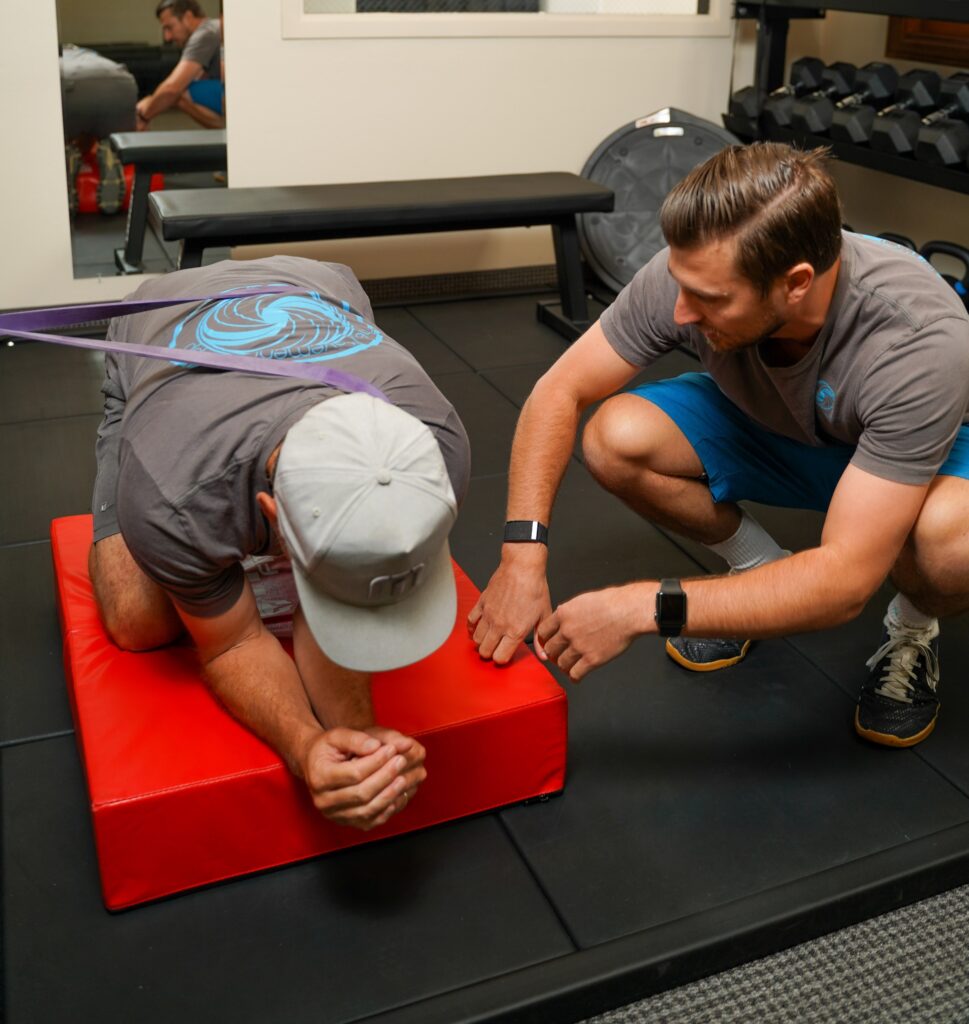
(183,795)
(376,207)
(171,151)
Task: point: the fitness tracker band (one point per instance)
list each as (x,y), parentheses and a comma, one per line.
(525,531)
(670,608)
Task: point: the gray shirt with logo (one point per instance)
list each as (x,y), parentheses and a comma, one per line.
(888,373)
(182,452)
(204,46)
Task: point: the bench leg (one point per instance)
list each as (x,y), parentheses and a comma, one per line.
(568,263)
(129,259)
(191,254)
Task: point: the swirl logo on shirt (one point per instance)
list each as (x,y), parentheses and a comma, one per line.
(825,397)
(302,327)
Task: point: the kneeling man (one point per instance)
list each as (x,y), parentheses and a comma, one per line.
(199,469)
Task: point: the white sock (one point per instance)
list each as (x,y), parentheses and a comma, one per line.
(903,614)
(749,547)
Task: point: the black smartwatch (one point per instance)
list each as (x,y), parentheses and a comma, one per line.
(670,608)
(525,531)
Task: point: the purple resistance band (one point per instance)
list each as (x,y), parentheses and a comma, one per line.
(25,325)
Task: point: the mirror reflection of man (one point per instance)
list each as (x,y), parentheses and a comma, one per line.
(195,84)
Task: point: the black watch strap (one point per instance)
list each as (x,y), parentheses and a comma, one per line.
(525,531)
(670,608)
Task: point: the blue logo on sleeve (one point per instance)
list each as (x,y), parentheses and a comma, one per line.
(305,328)
(825,397)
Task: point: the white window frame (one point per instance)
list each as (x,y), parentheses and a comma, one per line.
(297,24)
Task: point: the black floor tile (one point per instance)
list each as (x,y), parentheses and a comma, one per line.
(687,792)
(492,332)
(45,381)
(33,695)
(431,353)
(328,940)
(50,464)
(698,808)
(488,418)
(516,382)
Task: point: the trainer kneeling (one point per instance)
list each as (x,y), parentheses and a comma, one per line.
(836,377)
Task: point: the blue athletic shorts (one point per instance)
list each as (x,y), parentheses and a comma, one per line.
(743,460)
(208,92)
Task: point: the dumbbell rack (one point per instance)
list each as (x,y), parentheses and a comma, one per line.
(774,17)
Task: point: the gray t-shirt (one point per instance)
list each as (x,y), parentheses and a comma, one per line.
(888,373)
(204,46)
(182,452)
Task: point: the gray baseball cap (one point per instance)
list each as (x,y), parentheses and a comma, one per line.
(365,507)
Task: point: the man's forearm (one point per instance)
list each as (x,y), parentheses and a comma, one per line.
(339,696)
(162,99)
(259,684)
(811,590)
(540,452)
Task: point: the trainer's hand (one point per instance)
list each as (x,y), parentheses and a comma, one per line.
(591,629)
(515,599)
(362,778)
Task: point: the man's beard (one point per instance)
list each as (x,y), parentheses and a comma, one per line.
(721,342)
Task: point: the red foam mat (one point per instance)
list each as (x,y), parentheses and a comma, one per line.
(182,795)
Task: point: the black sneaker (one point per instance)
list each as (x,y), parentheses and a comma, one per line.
(898,705)
(700,654)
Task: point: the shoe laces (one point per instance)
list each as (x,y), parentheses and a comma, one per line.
(902,651)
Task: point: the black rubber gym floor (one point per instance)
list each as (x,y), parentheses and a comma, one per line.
(707,819)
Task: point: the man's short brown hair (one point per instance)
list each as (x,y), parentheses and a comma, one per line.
(780,203)
(180,8)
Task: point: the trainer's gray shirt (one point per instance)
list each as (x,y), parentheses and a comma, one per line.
(182,452)
(204,46)
(888,373)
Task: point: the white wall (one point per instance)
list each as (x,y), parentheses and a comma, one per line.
(324,110)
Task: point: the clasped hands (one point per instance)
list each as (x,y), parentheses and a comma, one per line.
(362,777)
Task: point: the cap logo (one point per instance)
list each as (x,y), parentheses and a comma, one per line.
(385,589)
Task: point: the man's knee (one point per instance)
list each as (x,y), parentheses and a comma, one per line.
(936,552)
(137,614)
(629,435)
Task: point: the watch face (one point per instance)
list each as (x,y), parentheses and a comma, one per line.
(670,612)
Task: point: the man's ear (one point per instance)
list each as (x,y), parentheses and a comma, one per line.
(267,504)
(798,281)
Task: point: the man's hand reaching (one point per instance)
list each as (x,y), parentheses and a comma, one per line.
(514,601)
(362,778)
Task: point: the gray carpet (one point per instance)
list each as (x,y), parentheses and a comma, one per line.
(907,967)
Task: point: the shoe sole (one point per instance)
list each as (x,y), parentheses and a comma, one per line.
(886,739)
(706,666)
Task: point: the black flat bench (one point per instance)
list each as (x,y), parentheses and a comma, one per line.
(159,152)
(203,218)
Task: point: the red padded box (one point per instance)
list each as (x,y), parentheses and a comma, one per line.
(183,795)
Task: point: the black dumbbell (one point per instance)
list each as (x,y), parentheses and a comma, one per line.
(956,252)
(874,87)
(837,81)
(943,135)
(805,78)
(896,128)
(917,90)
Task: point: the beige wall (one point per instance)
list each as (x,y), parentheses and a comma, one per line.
(303,110)
(107,21)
